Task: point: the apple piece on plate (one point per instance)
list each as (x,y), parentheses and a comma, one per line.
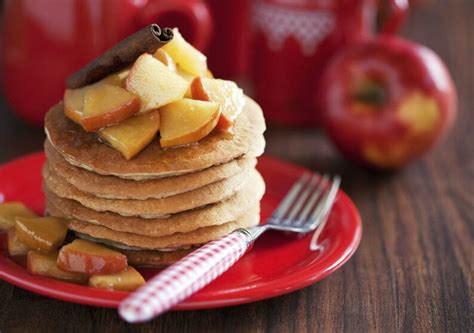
(156,85)
(132,135)
(128,280)
(185,55)
(41,233)
(187,121)
(9,211)
(85,257)
(106,105)
(225,93)
(116,79)
(14,246)
(44,264)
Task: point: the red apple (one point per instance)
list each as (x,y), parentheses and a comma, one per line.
(386,101)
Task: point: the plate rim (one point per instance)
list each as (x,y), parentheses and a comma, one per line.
(102,298)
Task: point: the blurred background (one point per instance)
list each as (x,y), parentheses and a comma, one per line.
(281,51)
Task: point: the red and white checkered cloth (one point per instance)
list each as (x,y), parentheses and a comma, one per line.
(184,278)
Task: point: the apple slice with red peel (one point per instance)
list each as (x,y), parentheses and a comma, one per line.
(187,121)
(106,105)
(185,55)
(132,135)
(9,211)
(41,233)
(14,246)
(156,85)
(44,264)
(225,93)
(74,98)
(85,257)
(128,280)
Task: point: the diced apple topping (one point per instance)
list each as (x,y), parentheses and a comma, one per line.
(106,105)
(166,59)
(128,280)
(41,233)
(14,246)
(44,264)
(156,85)
(187,121)
(225,93)
(74,104)
(9,211)
(185,55)
(132,135)
(85,257)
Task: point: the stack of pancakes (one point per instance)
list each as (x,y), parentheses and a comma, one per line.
(160,205)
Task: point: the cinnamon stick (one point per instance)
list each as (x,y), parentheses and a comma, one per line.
(149,39)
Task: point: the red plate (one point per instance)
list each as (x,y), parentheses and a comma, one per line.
(278,263)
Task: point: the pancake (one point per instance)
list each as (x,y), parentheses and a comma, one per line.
(151,208)
(111,187)
(199,236)
(84,150)
(215,214)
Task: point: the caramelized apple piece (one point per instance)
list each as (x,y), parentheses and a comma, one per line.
(44,264)
(9,211)
(166,59)
(225,93)
(132,135)
(74,98)
(187,121)
(41,233)
(14,245)
(185,55)
(106,105)
(156,85)
(128,280)
(74,104)
(90,258)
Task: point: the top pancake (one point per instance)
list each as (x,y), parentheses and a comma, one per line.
(84,150)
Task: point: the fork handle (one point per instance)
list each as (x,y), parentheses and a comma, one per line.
(185,277)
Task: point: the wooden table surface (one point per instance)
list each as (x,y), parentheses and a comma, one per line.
(413,270)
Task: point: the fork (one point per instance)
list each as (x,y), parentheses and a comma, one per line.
(304,208)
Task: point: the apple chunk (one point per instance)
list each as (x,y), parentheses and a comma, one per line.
(74,98)
(225,93)
(9,211)
(132,135)
(41,233)
(14,245)
(156,85)
(128,280)
(89,258)
(166,59)
(40,263)
(185,55)
(187,121)
(106,105)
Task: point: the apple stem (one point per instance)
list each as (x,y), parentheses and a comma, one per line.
(372,94)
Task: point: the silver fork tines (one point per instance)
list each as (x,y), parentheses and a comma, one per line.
(306,205)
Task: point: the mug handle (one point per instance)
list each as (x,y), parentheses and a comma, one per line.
(195,11)
(396,16)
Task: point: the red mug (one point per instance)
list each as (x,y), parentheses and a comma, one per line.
(294,39)
(46,40)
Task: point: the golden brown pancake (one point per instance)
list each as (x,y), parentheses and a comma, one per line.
(111,187)
(215,214)
(199,236)
(84,150)
(151,208)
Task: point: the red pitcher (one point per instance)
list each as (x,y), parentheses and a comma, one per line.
(46,40)
(294,39)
